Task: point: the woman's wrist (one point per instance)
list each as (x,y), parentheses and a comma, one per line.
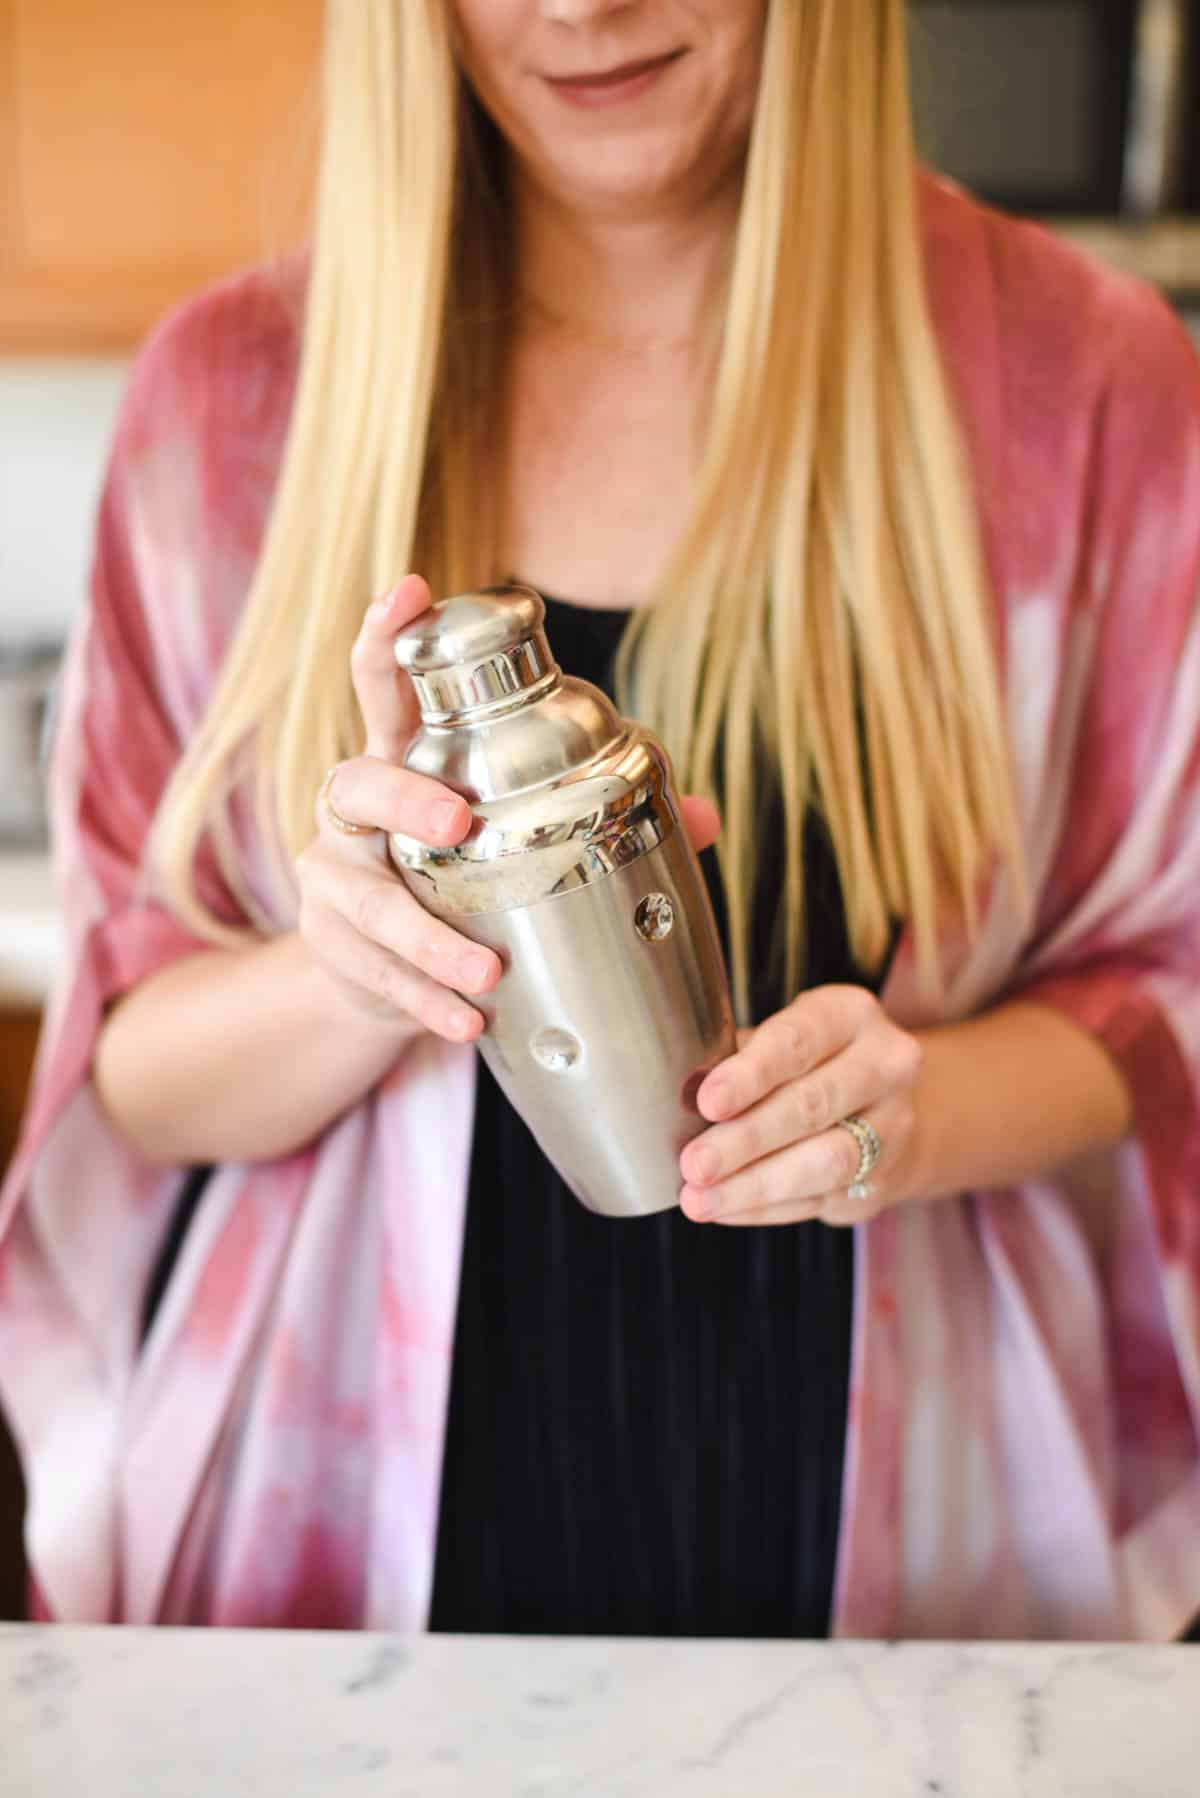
(1003,1097)
(270,1053)
(393,1031)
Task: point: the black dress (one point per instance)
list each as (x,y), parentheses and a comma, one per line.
(647,1417)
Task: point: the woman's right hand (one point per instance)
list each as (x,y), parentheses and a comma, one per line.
(358,919)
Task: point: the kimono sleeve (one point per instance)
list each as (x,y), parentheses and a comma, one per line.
(133,672)
(1121,951)
(82,1215)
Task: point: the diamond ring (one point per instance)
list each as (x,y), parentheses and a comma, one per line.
(869,1150)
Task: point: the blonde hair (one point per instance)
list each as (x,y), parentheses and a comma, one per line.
(833,531)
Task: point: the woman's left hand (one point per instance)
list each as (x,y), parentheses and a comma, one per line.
(775,1153)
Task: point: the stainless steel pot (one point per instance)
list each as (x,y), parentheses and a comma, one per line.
(614,1001)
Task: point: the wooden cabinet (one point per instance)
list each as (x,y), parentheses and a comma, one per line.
(145,149)
(18,1043)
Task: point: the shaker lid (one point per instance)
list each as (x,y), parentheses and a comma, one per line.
(479,649)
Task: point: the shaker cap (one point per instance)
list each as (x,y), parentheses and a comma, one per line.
(475,651)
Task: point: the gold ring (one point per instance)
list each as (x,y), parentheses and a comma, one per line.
(869,1150)
(335,817)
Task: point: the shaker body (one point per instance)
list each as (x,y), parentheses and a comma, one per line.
(600,1030)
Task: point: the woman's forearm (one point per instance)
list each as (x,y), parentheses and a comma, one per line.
(1009,1095)
(238,1055)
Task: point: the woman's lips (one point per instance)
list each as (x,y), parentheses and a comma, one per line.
(615,86)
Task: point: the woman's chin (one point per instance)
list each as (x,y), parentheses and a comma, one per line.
(599,177)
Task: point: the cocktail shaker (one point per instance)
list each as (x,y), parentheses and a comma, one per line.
(614,1002)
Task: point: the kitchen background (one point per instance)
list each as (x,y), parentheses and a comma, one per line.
(148,146)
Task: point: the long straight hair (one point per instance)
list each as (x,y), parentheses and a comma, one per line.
(825,614)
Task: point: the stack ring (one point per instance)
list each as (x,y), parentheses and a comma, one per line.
(335,817)
(869,1150)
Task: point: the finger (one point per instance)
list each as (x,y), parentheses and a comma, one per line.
(701,820)
(806,1107)
(841,1212)
(796,1040)
(386,985)
(843,1215)
(367,790)
(795,1211)
(382,911)
(384,693)
(804,1171)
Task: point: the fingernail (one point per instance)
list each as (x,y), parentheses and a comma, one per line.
(378,608)
(717,1096)
(462,1023)
(446,816)
(475,971)
(701,1164)
(701,1206)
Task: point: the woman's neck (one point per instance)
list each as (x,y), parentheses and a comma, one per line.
(642,279)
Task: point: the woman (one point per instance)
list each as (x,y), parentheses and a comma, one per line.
(642,301)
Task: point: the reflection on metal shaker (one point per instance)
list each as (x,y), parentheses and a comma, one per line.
(578,871)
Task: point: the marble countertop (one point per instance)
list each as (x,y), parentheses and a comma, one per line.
(177,1714)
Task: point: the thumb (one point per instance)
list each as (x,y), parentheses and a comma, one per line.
(384,692)
(701,820)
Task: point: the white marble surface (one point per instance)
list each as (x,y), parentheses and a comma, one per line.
(177,1714)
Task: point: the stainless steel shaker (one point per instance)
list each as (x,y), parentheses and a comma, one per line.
(614,1001)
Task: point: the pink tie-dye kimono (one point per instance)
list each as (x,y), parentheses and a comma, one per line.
(1023,1451)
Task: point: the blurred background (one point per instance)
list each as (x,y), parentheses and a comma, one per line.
(149,146)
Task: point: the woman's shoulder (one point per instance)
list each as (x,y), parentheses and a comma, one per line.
(193,466)
(218,371)
(1011,289)
(204,416)
(1077,384)
(250,319)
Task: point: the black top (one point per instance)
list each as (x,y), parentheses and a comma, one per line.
(647,1416)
